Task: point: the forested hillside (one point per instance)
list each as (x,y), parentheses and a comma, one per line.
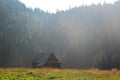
(81,37)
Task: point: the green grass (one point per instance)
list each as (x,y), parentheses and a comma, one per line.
(57,74)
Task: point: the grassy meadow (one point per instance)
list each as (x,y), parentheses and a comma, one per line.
(58,74)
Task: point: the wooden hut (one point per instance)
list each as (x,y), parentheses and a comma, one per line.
(48,60)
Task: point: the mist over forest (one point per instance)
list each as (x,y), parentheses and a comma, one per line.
(81,37)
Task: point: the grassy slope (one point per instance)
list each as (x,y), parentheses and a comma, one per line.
(56,74)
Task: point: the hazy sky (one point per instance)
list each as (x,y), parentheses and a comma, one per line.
(52,5)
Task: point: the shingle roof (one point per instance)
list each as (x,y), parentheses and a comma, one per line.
(41,58)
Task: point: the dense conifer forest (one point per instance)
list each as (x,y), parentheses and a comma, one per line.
(81,37)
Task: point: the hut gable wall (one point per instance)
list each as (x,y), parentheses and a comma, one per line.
(52,58)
